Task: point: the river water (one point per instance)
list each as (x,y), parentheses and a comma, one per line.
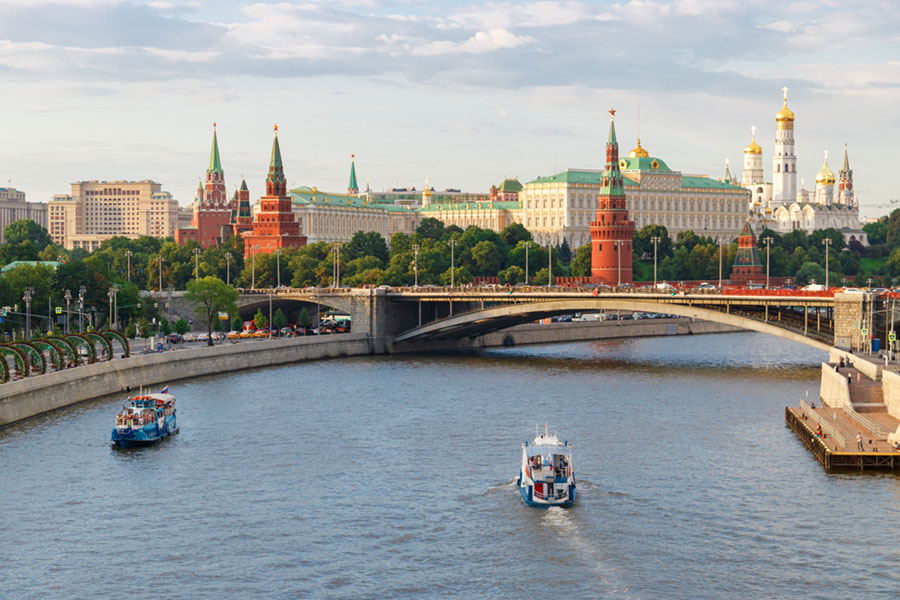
(393,477)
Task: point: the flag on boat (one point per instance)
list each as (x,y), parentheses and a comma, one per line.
(165,390)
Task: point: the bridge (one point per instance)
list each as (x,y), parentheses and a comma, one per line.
(407,319)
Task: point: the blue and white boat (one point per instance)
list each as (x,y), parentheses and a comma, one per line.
(547,476)
(146,419)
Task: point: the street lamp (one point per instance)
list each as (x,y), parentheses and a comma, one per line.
(618,247)
(128,255)
(113,290)
(197,264)
(81,291)
(159,269)
(452,262)
(656,239)
(415,248)
(827,243)
(253,267)
(721,246)
(68,297)
(768,242)
(527,246)
(228,268)
(550,263)
(29,293)
(277,268)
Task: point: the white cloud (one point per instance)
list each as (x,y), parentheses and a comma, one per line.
(512,15)
(480,43)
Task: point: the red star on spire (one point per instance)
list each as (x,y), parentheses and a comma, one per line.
(612,112)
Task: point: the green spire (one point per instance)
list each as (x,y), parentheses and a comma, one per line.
(612,184)
(276,170)
(846,167)
(352,187)
(244,185)
(727,176)
(275,163)
(612,129)
(215,164)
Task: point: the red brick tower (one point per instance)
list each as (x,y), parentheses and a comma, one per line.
(274,226)
(612,233)
(241,215)
(747,265)
(211,208)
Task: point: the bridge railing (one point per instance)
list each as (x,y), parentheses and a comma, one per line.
(868,423)
(827,428)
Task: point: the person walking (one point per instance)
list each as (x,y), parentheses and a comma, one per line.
(859,443)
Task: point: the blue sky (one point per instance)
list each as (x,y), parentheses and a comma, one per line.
(462,93)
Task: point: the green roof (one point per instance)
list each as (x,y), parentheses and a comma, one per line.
(306,195)
(18,263)
(691,181)
(510,185)
(643,163)
(576,176)
(471,206)
(215,165)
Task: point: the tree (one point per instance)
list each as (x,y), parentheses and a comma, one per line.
(565,252)
(511,275)
(279,320)
(303,319)
(581,266)
(643,241)
(260,320)
(236,323)
(430,228)
(366,243)
(486,258)
(461,275)
(810,272)
(130,331)
(182,326)
(144,328)
(209,296)
(876,232)
(164,326)
(514,233)
(27,230)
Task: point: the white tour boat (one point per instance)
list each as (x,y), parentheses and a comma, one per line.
(547,476)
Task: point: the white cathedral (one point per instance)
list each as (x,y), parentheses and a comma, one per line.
(780,206)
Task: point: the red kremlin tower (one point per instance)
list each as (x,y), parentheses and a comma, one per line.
(274,226)
(612,233)
(212,212)
(747,265)
(241,215)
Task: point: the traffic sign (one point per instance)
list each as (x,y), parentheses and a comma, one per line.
(864,331)
(892,336)
(59,310)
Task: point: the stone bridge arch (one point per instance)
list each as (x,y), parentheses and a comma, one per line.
(487,320)
(291,301)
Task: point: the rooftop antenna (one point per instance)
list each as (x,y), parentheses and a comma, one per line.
(546,427)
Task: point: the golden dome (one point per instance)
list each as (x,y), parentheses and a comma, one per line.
(638,151)
(753,148)
(785,115)
(825,176)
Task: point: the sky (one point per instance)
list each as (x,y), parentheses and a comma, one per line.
(464,94)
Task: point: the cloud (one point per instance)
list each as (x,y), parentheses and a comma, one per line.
(480,43)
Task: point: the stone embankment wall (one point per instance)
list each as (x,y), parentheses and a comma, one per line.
(890,386)
(35,395)
(834,390)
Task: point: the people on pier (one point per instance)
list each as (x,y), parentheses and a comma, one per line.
(819,430)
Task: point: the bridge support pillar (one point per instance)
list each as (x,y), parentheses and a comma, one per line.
(848,318)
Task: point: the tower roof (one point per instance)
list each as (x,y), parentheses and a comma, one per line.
(753,147)
(353,185)
(785,116)
(276,169)
(726,177)
(612,128)
(846,166)
(612,184)
(215,164)
(638,151)
(244,185)
(825,176)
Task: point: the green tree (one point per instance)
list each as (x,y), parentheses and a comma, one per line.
(144,328)
(236,323)
(564,252)
(876,232)
(209,296)
(303,319)
(367,243)
(514,233)
(27,230)
(511,275)
(430,228)
(260,320)
(487,258)
(182,326)
(542,276)
(643,241)
(279,320)
(810,272)
(461,276)
(164,326)
(130,330)
(581,266)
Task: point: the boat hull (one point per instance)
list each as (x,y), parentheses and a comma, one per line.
(145,436)
(527,491)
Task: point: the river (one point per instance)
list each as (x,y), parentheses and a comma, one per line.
(394,477)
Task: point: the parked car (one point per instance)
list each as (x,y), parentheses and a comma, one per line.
(852,291)
(189,337)
(813,287)
(218,336)
(203,337)
(174,338)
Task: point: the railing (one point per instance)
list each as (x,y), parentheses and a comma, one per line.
(827,428)
(868,423)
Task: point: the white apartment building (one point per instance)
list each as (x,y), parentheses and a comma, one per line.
(13,207)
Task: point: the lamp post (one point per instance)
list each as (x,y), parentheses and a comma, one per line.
(113,290)
(277,269)
(618,247)
(655,239)
(253,267)
(29,293)
(549,264)
(415,248)
(827,243)
(81,292)
(128,254)
(721,245)
(452,263)
(228,268)
(270,313)
(159,269)
(527,246)
(68,297)
(197,264)
(768,242)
